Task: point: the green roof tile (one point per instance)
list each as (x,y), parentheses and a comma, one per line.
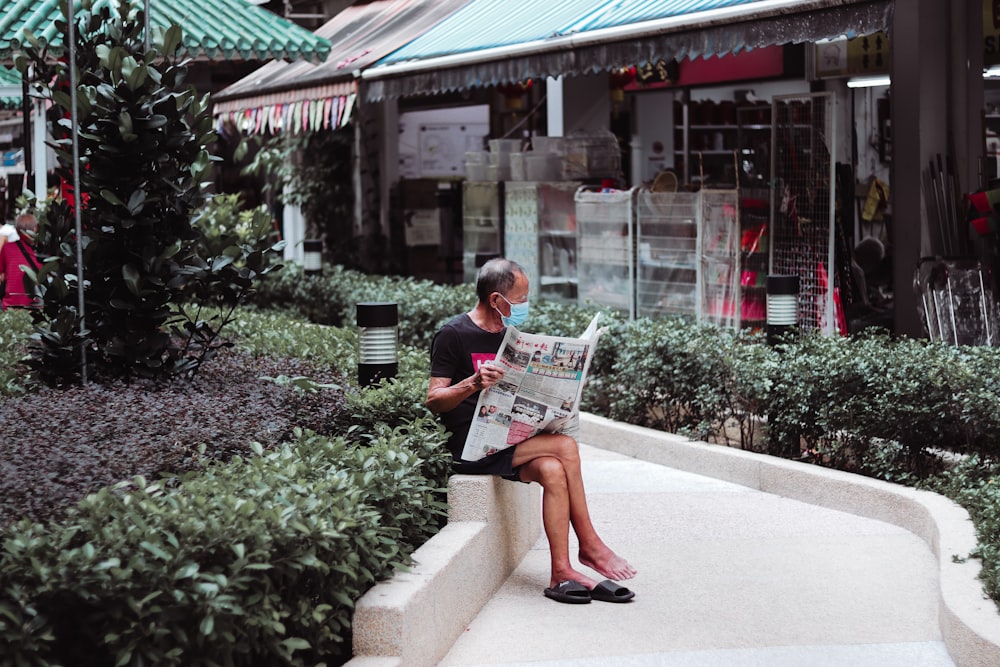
(213,29)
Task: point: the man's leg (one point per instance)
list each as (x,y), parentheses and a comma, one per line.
(550,474)
(593,552)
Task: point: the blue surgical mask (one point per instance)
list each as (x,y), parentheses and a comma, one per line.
(518,313)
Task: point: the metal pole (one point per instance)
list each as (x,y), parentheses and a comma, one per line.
(77,195)
(26,110)
(145,25)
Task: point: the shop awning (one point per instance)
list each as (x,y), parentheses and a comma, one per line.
(487,42)
(359,35)
(213,30)
(10,89)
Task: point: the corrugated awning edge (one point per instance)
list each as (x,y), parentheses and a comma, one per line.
(568,58)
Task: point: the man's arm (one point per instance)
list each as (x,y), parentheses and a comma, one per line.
(443,396)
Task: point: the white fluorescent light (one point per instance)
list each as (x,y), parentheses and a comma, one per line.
(992,72)
(867,81)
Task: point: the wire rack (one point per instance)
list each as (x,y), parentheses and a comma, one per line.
(606,269)
(803,206)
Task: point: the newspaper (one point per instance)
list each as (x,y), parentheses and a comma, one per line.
(540,391)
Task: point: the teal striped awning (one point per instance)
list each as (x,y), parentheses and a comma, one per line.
(275,95)
(213,30)
(488,42)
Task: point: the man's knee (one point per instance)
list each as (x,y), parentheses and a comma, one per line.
(568,448)
(548,471)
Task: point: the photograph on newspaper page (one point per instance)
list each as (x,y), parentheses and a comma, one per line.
(540,391)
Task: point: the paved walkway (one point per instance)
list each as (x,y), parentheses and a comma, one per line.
(727,576)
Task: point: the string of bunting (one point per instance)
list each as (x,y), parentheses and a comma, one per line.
(300,116)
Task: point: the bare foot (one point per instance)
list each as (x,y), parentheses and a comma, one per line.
(610,564)
(571,575)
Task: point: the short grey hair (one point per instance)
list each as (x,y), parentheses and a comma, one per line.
(497,275)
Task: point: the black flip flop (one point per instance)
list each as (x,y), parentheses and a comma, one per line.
(609,591)
(569,592)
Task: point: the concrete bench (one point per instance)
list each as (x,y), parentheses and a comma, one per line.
(414,618)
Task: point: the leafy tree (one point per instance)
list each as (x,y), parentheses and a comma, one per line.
(142,147)
(313,170)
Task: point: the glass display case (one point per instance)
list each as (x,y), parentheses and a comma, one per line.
(667,266)
(719,258)
(482,225)
(754,256)
(541,235)
(606,265)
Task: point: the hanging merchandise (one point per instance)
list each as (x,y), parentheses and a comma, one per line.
(983,216)
(941,198)
(876,201)
(513,93)
(617,80)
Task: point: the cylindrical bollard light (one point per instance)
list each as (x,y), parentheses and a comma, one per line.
(378,337)
(782,306)
(312,260)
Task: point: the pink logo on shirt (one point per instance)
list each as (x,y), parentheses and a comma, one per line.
(480,358)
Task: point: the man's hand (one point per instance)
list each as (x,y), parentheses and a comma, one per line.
(443,396)
(489,374)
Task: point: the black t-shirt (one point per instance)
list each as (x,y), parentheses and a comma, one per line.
(457,351)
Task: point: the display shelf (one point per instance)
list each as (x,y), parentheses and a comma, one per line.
(605,269)
(541,235)
(557,280)
(754,256)
(991,147)
(667,239)
(754,144)
(482,225)
(719,257)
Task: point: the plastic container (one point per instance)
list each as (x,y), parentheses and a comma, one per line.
(475,165)
(517,172)
(542,167)
(591,155)
(476,171)
(498,172)
(505,145)
(553,145)
(500,159)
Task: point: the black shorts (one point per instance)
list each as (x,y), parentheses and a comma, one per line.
(499,464)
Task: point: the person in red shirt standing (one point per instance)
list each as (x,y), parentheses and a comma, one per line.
(14,255)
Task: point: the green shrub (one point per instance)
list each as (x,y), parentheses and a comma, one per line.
(668,375)
(974,484)
(15,327)
(254,562)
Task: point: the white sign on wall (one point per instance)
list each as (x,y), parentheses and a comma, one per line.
(433,143)
(422,227)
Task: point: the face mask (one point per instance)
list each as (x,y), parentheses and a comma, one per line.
(518,313)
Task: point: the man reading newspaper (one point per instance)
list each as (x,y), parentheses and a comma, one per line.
(532,396)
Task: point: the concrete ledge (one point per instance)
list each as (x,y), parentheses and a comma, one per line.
(970,623)
(414,618)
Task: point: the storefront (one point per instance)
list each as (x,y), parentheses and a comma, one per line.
(234,31)
(691,94)
(283,98)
